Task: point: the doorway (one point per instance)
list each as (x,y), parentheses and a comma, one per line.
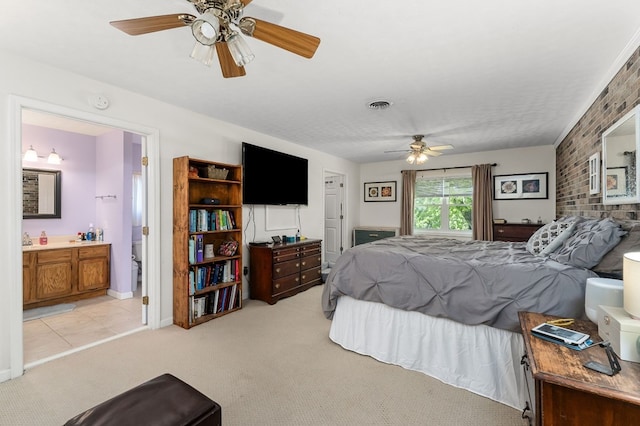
(147,313)
(334,218)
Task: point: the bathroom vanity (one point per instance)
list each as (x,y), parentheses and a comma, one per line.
(64,272)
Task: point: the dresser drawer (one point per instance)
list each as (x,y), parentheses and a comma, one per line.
(310,261)
(287,283)
(286,268)
(310,275)
(514,231)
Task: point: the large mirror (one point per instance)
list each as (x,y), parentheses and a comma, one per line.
(620,144)
(41,194)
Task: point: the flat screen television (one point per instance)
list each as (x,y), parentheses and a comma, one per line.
(273,177)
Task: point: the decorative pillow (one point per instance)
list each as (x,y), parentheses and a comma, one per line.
(611,263)
(589,243)
(551,236)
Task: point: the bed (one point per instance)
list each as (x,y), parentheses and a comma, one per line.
(449,308)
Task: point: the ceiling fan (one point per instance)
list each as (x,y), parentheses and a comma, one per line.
(419,151)
(215,26)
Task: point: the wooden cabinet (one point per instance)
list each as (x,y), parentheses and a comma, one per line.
(362,235)
(514,231)
(93,268)
(52,276)
(282,270)
(566,392)
(207,213)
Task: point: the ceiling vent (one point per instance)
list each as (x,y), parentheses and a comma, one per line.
(379,105)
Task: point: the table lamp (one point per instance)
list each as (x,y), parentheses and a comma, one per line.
(631,280)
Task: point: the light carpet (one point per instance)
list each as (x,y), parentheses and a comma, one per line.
(265,365)
(47,311)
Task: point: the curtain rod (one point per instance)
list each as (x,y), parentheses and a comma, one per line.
(450,168)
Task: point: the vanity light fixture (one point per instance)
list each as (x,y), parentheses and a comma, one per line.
(54,158)
(30,155)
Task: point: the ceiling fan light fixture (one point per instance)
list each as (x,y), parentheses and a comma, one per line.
(239,50)
(411,158)
(422,157)
(203,53)
(206,28)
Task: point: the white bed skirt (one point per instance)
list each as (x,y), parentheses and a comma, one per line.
(481,359)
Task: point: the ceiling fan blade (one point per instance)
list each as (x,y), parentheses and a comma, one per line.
(440,147)
(431,153)
(398,150)
(227,64)
(152,24)
(294,41)
(245,2)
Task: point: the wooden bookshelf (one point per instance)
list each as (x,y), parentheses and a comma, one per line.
(205,288)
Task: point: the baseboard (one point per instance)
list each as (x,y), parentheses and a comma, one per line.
(5,375)
(118,295)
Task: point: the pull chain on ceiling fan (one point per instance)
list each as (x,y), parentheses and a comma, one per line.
(215,27)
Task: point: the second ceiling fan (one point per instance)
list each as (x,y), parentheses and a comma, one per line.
(215,32)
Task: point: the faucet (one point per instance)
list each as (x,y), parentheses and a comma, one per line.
(26,239)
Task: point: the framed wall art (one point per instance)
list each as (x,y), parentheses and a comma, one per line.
(616,181)
(525,186)
(380,191)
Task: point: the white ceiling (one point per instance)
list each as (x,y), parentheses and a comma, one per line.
(479,75)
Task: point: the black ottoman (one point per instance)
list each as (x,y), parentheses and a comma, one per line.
(163,401)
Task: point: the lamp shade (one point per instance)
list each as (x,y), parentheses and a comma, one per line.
(205,29)
(31,154)
(631,283)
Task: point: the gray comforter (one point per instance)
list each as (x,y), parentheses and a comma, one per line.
(472,282)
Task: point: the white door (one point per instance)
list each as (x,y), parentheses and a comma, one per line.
(333,217)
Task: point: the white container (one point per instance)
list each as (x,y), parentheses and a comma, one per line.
(617,326)
(134,276)
(602,291)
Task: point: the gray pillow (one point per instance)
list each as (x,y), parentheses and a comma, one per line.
(551,236)
(591,240)
(611,263)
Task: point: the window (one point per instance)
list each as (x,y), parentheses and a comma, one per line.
(443,202)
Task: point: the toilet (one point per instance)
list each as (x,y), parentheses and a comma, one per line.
(136,251)
(602,291)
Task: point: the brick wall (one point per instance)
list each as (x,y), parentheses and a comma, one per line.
(572,155)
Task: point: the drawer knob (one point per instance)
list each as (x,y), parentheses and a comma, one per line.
(297,279)
(500,231)
(277,285)
(278,270)
(319,258)
(297,265)
(304,276)
(607,320)
(304,263)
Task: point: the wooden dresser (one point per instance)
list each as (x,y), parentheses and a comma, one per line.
(567,393)
(514,231)
(282,270)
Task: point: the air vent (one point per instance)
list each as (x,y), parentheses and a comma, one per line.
(379,105)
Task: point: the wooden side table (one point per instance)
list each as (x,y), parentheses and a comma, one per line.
(567,393)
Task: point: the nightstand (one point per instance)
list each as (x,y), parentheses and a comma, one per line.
(514,231)
(567,393)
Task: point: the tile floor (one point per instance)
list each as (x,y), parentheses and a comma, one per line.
(92,320)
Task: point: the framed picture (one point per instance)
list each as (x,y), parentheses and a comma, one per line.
(380,191)
(616,182)
(525,186)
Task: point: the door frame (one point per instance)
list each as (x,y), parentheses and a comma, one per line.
(152,241)
(345,235)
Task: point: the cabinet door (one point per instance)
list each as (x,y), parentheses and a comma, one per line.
(93,268)
(28,277)
(54,274)
(93,273)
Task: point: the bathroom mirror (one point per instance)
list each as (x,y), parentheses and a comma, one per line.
(41,190)
(620,145)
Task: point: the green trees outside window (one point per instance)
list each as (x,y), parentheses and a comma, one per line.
(443,204)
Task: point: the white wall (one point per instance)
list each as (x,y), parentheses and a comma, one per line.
(181,133)
(509,161)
